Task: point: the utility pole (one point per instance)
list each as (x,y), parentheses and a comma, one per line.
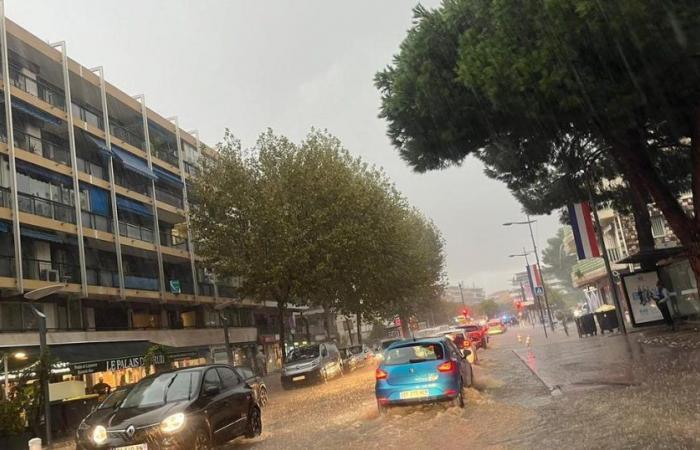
(606,259)
(461,294)
(539,269)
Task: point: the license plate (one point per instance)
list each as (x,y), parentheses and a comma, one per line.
(134,447)
(299,378)
(418,393)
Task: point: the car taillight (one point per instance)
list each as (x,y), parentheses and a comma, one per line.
(380,374)
(466,344)
(447,366)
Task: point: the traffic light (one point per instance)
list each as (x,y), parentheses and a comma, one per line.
(465,312)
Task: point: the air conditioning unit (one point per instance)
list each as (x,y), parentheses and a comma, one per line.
(49,275)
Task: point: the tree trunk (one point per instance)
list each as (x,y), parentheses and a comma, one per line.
(348,325)
(642,223)
(326,322)
(359,328)
(404,327)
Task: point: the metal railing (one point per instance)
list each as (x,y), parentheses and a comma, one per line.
(5,201)
(45,208)
(126,135)
(87,116)
(165,153)
(170,199)
(38,88)
(122,181)
(615,254)
(96,221)
(191,168)
(170,239)
(7,266)
(206,289)
(101,277)
(41,269)
(143,283)
(135,231)
(91,168)
(39,146)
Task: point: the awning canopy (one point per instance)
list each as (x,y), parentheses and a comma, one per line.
(167,177)
(133,163)
(33,111)
(134,207)
(40,235)
(652,256)
(101,145)
(44,174)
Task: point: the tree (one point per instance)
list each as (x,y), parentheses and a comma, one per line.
(539,73)
(558,263)
(488,308)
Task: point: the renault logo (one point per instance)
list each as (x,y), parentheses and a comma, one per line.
(130,430)
(411,370)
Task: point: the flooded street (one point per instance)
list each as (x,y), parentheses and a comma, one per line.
(608,392)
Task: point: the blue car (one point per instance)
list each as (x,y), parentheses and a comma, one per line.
(422,371)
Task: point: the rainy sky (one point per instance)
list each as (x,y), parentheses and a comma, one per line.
(289,65)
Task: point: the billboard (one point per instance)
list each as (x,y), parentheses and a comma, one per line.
(640,289)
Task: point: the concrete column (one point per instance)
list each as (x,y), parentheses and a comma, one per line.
(11,149)
(112,184)
(74,167)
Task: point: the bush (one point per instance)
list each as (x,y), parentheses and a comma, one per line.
(11,418)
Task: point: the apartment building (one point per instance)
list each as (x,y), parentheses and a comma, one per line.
(93,193)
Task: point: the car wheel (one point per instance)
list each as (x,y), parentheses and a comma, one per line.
(254,427)
(201,440)
(459,401)
(263,396)
(324,376)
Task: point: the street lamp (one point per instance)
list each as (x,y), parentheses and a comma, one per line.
(539,307)
(5,360)
(529,223)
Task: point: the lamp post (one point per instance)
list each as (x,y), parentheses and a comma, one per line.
(539,306)
(5,361)
(529,223)
(35,295)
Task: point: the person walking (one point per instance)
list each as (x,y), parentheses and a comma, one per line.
(261,362)
(662,297)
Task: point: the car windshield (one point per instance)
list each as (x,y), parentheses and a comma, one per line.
(302,353)
(114,399)
(413,353)
(161,389)
(386,344)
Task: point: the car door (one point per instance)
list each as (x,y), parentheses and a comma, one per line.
(464,367)
(238,399)
(216,404)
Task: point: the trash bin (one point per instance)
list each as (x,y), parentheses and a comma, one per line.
(585,325)
(607,320)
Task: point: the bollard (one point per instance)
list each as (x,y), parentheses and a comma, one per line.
(35,444)
(520,339)
(527,341)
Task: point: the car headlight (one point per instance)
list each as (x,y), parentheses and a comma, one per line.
(99,434)
(172,423)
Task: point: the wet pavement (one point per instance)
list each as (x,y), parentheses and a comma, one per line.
(613,392)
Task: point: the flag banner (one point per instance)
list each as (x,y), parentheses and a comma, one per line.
(584,235)
(531,282)
(535,275)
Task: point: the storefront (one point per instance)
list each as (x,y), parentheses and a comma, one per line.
(243,354)
(271,349)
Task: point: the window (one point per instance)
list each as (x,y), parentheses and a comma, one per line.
(228,377)
(211,378)
(414,353)
(245,372)
(658,226)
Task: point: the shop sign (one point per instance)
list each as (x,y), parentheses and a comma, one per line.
(112,365)
(268,339)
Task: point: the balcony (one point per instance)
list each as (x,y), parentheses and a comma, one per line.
(7,266)
(96,221)
(5,197)
(39,146)
(169,239)
(227,291)
(191,168)
(100,277)
(126,135)
(206,289)
(164,152)
(169,198)
(141,283)
(38,88)
(91,168)
(88,116)
(135,231)
(40,269)
(45,208)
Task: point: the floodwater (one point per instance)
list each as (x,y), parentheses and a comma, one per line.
(612,392)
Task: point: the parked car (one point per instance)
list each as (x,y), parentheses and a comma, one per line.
(422,371)
(462,341)
(477,333)
(255,382)
(188,408)
(496,327)
(311,364)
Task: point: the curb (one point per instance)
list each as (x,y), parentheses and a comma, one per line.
(552,388)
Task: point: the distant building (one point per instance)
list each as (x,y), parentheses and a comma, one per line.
(472,295)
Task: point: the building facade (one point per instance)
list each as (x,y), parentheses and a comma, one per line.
(93,194)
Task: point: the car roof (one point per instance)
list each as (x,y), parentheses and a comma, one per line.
(430,340)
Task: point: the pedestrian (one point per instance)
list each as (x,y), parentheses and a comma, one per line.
(261,362)
(661,297)
(101,388)
(563,323)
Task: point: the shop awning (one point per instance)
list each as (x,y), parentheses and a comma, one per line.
(135,207)
(652,256)
(44,174)
(101,145)
(40,235)
(133,163)
(33,111)
(167,177)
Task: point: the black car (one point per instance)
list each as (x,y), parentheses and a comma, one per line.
(188,408)
(255,382)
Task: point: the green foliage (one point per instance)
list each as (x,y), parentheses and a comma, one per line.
(558,263)
(157,356)
(11,421)
(488,308)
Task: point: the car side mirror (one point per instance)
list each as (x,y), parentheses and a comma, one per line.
(324,353)
(211,390)
(466,353)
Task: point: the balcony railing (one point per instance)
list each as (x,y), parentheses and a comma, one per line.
(39,146)
(5,197)
(7,266)
(615,254)
(45,208)
(100,277)
(170,199)
(143,283)
(126,135)
(169,239)
(206,289)
(135,231)
(191,168)
(40,269)
(91,168)
(96,221)
(227,291)
(88,116)
(163,151)
(122,181)
(38,88)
